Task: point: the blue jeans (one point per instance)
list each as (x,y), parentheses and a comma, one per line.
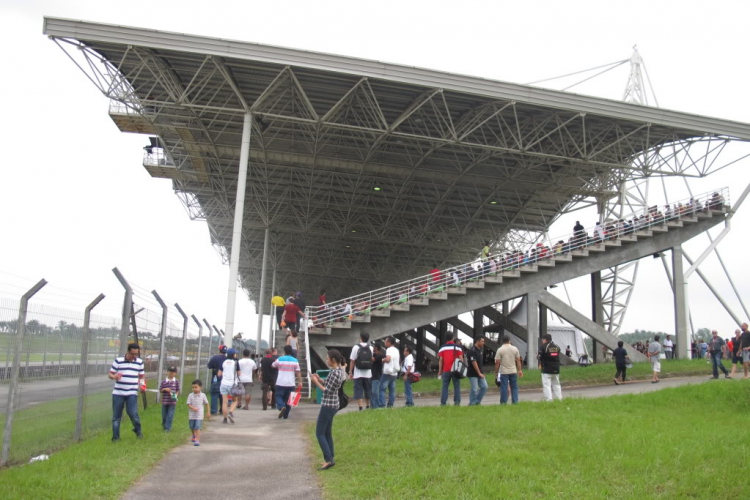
(407,392)
(215,397)
(716,358)
(282,397)
(167,415)
(130,404)
(323,431)
(375,401)
(512,379)
(447,376)
(387,381)
(478,390)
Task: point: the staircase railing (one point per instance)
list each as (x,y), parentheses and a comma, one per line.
(307,353)
(503,261)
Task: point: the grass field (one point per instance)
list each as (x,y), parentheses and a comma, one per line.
(97,468)
(674,443)
(599,374)
(49,427)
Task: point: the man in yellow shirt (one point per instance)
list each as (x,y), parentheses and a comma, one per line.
(278,302)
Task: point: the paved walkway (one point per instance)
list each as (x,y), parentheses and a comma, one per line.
(266,457)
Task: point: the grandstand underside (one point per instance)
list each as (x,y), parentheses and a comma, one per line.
(369,173)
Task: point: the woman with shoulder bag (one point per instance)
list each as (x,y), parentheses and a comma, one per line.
(329,405)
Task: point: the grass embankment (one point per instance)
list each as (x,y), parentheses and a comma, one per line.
(600,374)
(665,444)
(98,468)
(45,428)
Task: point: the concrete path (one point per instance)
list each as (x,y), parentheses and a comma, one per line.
(263,456)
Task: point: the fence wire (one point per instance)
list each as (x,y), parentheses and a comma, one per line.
(52,379)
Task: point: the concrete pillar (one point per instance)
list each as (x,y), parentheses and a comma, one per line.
(442,330)
(532,326)
(542,320)
(239,211)
(682,346)
(597,311)
(419,337)
(401,340)
(478,329)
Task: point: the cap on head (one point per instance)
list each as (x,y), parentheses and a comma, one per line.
(231,352)
(172,369)
(223,349)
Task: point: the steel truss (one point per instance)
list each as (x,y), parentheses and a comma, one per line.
(364,182)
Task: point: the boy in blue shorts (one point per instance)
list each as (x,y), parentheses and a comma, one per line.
(195,401)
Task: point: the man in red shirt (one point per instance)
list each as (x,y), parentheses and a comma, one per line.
(291,313)
(436,278)
(446,356)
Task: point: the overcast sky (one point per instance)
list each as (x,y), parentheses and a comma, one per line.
(77,202)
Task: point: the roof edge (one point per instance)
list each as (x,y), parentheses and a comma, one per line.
(233,49)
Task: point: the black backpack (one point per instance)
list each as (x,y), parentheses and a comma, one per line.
(364,358)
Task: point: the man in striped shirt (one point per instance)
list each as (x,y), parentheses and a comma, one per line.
(289,370)
(127,372)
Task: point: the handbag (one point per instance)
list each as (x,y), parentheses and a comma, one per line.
(237,390)
(343,398)
(459,368)
(415,377)
(294,397)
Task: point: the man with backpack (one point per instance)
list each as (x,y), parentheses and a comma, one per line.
(360,370)
(449,370)
(549,359)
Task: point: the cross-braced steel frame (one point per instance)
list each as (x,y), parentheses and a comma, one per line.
(366,180)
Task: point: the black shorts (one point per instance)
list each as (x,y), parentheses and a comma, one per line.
(362,385)
(736,359)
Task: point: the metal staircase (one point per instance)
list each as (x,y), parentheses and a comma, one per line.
(449,292)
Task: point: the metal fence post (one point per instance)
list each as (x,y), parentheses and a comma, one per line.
(84,365)
(13,389)
(126,310)
(160,368)
(184,340)
(200,339)
(210,339)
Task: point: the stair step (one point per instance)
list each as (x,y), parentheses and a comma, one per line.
(599,247)
(613,243)
(342,324)
(403,307)
(660,229)
(320,331)
(690,220)
(494,280)
(475,285)
(579,253)
(629,238)
(438,295)
(419,301)
(546,263)
(674,223)
(529,269)
(457,290)
(564,258)
(515,273)
(383,313)
(361,319)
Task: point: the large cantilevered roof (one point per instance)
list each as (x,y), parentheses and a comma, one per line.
(366,172)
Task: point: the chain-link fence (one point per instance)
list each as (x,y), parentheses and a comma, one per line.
(54,387)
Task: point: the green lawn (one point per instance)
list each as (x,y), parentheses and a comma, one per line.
(96,467)
(674,443)
(49,427)
(599,374)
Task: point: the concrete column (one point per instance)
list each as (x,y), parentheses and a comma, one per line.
(401,343)
(542,320)
(261,295)
(597,311)
(506,307)
(478,329)
(532,326)
(419,337)
(239,211)
(442,329)
(682,346)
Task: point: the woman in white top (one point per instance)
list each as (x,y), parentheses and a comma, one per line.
(406,370)
(291,340)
